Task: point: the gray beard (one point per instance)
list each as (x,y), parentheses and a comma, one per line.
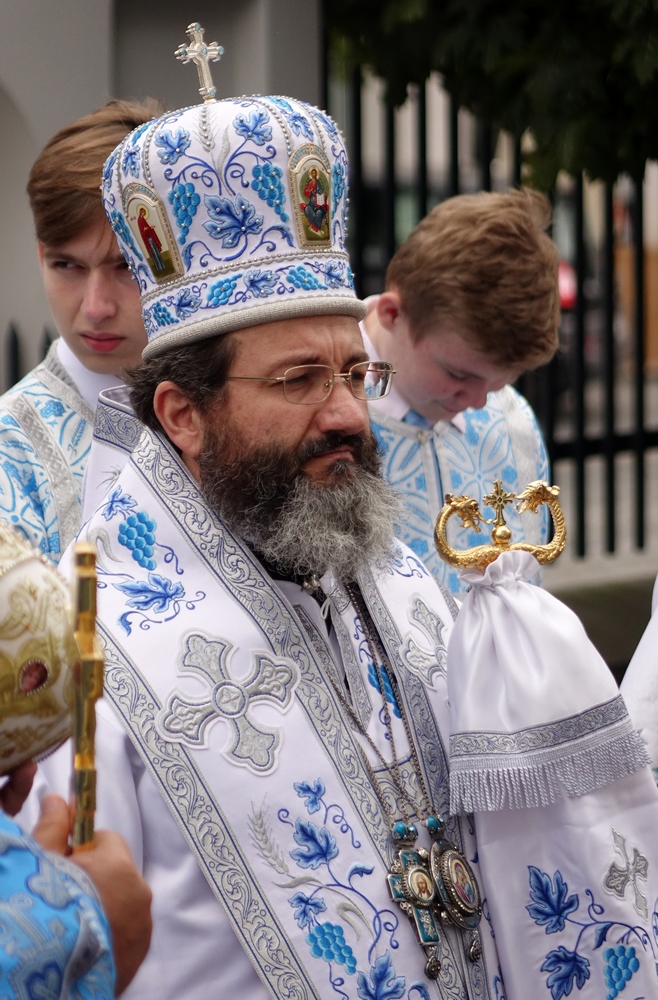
(298,525)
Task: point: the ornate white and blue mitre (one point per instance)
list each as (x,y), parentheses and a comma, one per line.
(232,213)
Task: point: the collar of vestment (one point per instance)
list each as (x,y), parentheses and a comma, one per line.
(88,383)
(222,684)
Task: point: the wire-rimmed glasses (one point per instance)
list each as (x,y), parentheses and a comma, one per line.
(309,384)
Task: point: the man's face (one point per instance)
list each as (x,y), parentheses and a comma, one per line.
(260,413)
(299,483)
(94,300)
(443,373)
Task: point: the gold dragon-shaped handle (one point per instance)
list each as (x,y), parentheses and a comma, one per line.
(468,511)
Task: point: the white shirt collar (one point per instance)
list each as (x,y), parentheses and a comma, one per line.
(394,405)
(88,384)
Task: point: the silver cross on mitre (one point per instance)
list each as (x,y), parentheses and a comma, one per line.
(618,876)
(200,53)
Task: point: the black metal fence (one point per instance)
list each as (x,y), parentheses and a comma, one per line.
(557,392)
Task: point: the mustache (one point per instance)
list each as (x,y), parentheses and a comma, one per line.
(330,442)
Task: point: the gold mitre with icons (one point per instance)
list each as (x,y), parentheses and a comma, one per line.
(467,510)
(37,653)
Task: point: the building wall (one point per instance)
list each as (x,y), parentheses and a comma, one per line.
(55,67)
(62,59)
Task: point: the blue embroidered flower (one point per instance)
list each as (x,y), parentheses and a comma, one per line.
(184,202)
(300,125)
(333,274)
(301,278)
(221,291)
(122,230)
(324,118)
(254,127)
(382,983)
(550,904)
(317,847)
(421,548)
(130,161)
(621,964)
(107,170)
(327,941)
(388,689)
(134,136)
(118,503)
(260,283)
(231,222)
(162,315)
(307,908)
(137,533)
(268,185)
(172,147)
(53,408)
(311,792)
(281,103)
(156,595)
(565,967)
(186,303)
(337,183)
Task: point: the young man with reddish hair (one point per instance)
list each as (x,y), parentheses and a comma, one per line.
(46,420)
(471,302)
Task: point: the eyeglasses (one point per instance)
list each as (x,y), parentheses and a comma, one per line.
(308,384)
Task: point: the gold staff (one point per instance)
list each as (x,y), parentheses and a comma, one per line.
(88,683)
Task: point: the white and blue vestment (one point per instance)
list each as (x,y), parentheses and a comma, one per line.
(46,426)
(230,765)
(424,461)
(54,938)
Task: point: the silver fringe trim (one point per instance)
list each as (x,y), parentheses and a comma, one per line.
(505,776)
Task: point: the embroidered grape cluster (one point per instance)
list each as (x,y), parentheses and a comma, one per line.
(184,201)
(327,941)
(621,963)
(301,278)
(162,315)
(222,291)
(137,533)
(267,183)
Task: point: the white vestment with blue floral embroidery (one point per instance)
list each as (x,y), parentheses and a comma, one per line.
(230,765)
(46,426)
(464,455)
(501,441)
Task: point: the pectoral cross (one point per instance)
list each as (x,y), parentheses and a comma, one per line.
(200,53)
(498,500)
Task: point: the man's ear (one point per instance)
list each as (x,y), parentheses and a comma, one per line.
(180,419)
(389,309)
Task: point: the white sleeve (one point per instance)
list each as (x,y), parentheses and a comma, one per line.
(119,769)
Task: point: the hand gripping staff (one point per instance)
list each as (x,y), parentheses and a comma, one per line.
(88,684)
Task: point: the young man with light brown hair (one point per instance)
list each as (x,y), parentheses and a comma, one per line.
(471,302)
(46,420)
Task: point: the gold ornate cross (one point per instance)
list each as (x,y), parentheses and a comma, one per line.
(498,500)
(200,53)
